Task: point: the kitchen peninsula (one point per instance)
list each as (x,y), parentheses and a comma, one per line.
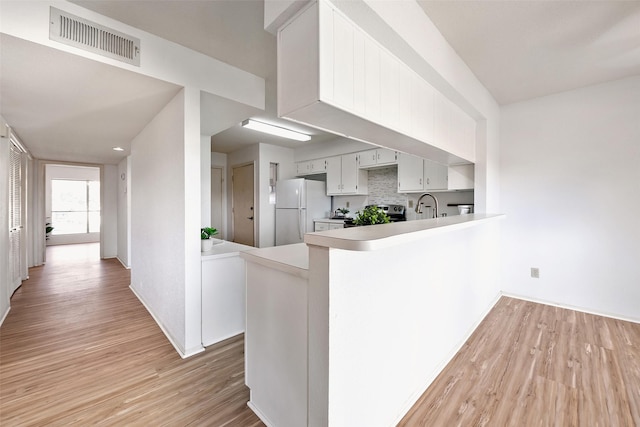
(352,326)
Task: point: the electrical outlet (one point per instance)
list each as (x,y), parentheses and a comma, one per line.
(535,272)
(347,205)
(410,203)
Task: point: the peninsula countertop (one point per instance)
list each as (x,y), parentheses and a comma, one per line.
(368,238)
(292,259)
(223,248)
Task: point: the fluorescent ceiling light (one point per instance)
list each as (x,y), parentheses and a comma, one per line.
(118,149)
(275,130)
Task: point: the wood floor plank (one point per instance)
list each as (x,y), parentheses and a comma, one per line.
(78,348)
(531,364)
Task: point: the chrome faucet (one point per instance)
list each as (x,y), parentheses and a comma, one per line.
(435,201)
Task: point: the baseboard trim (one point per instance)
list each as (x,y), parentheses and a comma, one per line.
(183,354)
(570,307)
(412,401)
(123,264)
(259,414)
(4,316)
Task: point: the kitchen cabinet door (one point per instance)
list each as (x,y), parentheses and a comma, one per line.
(435,176)
(410,173)
(303,168)
(318,166)
(350,171)
(334,176)
(368,158)
(386,157)
(320,226)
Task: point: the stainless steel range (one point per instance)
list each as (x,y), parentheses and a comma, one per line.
(396,213)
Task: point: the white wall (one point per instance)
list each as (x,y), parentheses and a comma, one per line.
(124,212)
(158,219)
(570,185)
(109,215)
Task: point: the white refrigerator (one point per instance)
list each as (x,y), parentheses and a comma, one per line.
(298,202)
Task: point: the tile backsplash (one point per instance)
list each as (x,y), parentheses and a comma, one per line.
(383,187)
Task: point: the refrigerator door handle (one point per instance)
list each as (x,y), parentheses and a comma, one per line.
(300,223)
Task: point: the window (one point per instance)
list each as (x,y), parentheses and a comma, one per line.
(75,206)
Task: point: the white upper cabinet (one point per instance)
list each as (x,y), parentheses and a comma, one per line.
(311,167)
(435,176)
(332,75)
(416,174)
(344,176)
(377,158)
(410,173)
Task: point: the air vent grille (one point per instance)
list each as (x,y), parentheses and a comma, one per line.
(78,32)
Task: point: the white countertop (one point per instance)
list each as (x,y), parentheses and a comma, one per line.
(224,249)
(292,259)
(372,237)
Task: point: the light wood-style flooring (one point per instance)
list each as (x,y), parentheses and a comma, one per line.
(78,348)
(530,364)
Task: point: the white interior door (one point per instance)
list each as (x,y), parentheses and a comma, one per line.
(217,201)
(243,205)
(15,218)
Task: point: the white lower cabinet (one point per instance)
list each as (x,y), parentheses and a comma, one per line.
(321,225)
(344,175)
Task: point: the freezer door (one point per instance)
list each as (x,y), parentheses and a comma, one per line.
(290,226)
(290,194)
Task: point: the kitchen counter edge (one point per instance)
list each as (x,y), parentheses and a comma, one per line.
(370,238)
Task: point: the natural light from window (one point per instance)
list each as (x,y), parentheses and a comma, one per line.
(75,206)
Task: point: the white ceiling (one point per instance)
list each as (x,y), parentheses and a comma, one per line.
(69,108)
(525,49)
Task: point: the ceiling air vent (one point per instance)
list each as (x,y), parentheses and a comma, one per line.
(86,35)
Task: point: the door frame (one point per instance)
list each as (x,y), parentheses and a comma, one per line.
(224,231)
(256,210)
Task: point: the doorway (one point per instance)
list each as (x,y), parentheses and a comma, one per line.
(242,199)
(72,203)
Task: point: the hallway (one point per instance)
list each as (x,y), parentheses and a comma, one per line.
(79,348)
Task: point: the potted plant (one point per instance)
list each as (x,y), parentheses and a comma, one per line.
(371,215)
(48,228)
(206,233)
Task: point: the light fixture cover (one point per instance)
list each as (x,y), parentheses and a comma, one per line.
(118,149)
(275,130)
